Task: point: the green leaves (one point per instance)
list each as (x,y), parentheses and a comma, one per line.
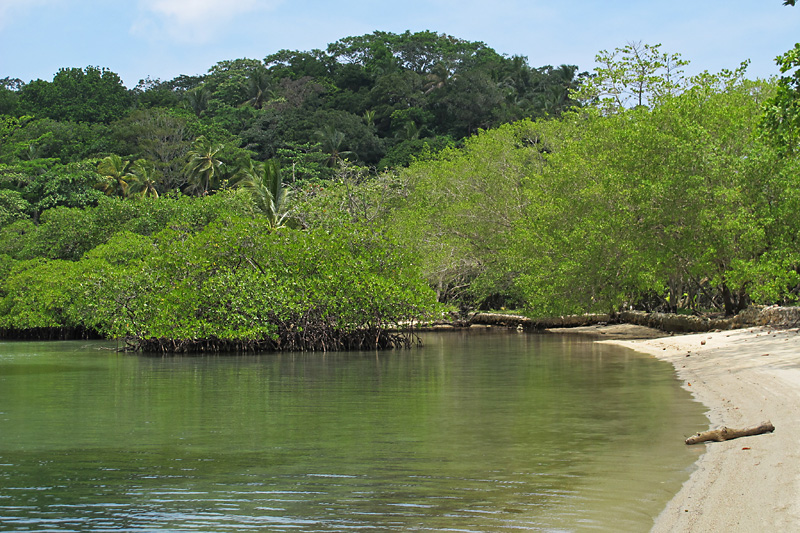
(634,75)
(84,95)
(233,279)
(204,167)
(782,112)
(600,210)
(265,184)
(113,170)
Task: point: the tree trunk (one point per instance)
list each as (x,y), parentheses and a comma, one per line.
(727,299)
(725,433)
(734,303)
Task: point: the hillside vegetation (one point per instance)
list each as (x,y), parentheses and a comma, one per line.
(313,200)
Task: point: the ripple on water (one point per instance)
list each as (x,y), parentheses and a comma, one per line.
(484,433)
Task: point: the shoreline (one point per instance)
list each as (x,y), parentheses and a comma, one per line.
(744,377)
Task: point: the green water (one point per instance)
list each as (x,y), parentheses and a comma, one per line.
(473,432)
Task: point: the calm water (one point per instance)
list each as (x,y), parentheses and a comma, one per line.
(473,432)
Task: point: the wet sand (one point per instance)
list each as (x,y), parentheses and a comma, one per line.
(744,377)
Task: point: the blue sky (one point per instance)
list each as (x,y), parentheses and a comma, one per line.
(166,38)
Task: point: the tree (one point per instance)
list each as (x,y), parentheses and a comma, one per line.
(8,127)
(652,207)
(462,208)
(66,140)
(259,88)
(467,103)
(307,162)
(150,93)
(295,64)
(634,75)
(9,97)
(265,184)
(92,94)
(228,81)
(204,167)
(12,207)
(782,113)
(781,120)
(197,99)
(332,141)
(71,185)
(114,175)
(143,179)
(556,87)
(160,135)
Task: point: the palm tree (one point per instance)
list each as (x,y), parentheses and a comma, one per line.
(369,117)
(440,75)
(265,184)
(114,178)
(331,140)
(556,88)
(143,179)
(197,99)
(259,88)
(203,167)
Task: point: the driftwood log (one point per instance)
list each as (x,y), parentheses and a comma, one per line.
(725,433)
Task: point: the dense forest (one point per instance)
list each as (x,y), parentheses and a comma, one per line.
(311,200)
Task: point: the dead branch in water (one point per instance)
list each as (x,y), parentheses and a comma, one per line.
(725,433)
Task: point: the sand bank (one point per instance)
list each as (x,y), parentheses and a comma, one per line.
(744,377)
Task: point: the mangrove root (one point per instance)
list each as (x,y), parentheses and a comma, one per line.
(724,433)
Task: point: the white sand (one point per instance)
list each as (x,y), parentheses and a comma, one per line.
(744,377)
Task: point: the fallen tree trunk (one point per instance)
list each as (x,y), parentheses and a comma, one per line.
(725,433)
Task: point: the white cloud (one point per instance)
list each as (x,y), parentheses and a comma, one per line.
(195,21)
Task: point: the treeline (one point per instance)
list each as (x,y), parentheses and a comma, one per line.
(185,274)
(377,100)
(97,181)
(662,193)
(648,190)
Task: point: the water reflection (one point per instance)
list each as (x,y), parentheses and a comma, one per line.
(482,432)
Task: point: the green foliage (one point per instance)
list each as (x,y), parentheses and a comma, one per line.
(232,280)
(462,208)
(9,102)
(659,192)
(114,175)
(203,169)
(8,126)
(153,93)
(69,185)
(143,179)
(408,150)
(69,233)
(12,207)
(353,197)
(67,141)
(634,75)
(37,294)
(161,136)
(15,237)
(265,184)
(782,113)
(306,161)
(82,95)
(597,210)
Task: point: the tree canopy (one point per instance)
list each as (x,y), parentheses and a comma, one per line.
(315,198)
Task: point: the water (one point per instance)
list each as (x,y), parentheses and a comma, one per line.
(473,432)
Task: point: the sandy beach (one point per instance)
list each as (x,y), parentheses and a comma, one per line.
(744,377)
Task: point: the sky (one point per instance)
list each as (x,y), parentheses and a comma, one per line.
(163,39)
